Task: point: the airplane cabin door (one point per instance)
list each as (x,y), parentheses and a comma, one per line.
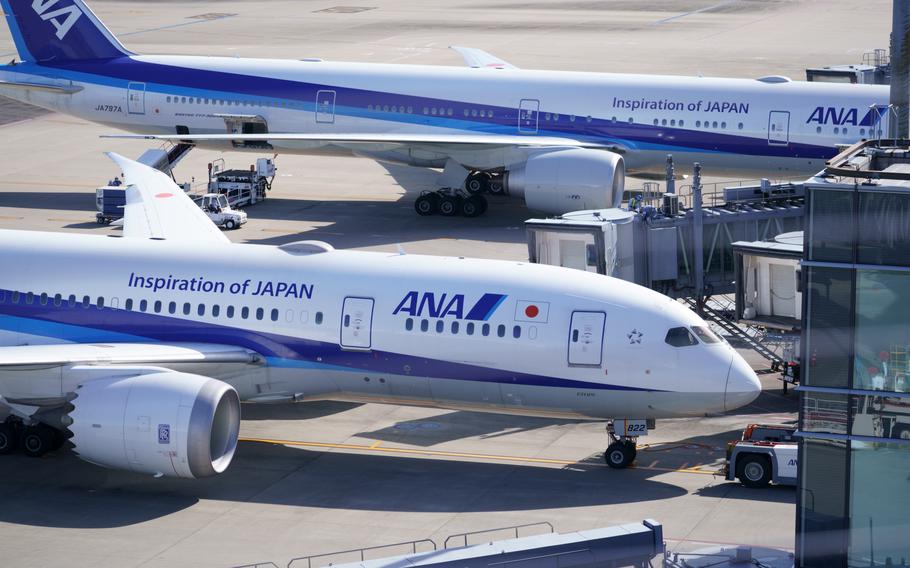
(325,107)
(135,98)
(357,323)
(527,116)
(779,128)
(586,338)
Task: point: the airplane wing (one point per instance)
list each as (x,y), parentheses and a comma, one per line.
(384,140)
(157,209)
(29,357)
(479,58)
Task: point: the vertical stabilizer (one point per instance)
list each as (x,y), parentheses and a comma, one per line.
(58,31)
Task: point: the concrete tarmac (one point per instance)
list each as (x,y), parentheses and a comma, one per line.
(318,477)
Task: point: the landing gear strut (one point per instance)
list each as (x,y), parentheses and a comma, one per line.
(622,449)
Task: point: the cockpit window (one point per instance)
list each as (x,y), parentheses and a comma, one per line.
(705,334)
(680,337)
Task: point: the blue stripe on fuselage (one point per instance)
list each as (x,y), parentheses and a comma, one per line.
(88,325)
(185,81)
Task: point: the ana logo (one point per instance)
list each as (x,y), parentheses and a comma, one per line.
(792,462)
(843,116)
(62,19)
(419,304)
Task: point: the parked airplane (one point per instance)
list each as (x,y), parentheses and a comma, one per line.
(562,140)
(143,346)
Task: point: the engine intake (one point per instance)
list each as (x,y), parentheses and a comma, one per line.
(160,423)
(570,179)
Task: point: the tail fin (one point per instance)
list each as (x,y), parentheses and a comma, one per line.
(58,31)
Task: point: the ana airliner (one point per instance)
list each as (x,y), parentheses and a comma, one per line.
(562,140)
(142,346)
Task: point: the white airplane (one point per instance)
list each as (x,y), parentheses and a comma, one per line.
(143,346)
(561,140)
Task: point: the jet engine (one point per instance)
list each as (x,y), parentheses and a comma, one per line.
(569,179)
(162,423)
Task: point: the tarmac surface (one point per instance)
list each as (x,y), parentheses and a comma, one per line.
(319,477)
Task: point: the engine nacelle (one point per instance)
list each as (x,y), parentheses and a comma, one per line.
(571,179)
(160,423)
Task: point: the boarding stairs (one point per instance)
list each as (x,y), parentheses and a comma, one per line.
(719,311)
(166,157)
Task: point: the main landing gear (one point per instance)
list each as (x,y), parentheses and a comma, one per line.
(622,449)
(485,182)
(449,202)
(34,441)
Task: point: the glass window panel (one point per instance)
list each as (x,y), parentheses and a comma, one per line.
(879,505)
(884,228)
(823,412)
(882,332)
(831,226)
(880,416)
(821,515)
(829,333)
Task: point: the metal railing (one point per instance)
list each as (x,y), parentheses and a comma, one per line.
(361,551)
(515,528)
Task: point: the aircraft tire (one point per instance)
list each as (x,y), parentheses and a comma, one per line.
(37,440)
(619,455)
(9,439)
(427,205)
(754,470)
(496,186)
(473,206)
(478,182)
(448,207)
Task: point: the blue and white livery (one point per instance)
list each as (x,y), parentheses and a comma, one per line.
(143,346)
(562,140)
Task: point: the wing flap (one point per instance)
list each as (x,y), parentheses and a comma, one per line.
(156,208)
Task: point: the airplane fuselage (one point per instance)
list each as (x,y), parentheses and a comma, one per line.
(732,126)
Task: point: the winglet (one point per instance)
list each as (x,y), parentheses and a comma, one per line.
(479,58)
(156,208)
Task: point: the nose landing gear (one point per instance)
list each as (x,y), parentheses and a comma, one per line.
(622,449)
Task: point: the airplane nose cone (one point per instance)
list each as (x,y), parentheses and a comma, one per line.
(743,385)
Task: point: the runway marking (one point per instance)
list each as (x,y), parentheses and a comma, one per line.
(700,10)
(10,217)
(375,447)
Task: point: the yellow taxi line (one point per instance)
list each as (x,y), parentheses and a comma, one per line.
(375,447)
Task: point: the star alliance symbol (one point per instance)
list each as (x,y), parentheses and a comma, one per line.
(634,337)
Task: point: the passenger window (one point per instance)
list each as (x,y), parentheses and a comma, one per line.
(71,301)
(216,311)
(304,317)
(485,330)
(157,306)
(440,326)
(260,313)
(274,314)
(409,324)
(58,299)
(680,337)
(29,298)
(186,308)
(200,310)
(143,305)
(86,302)
(318,318)
(230,311)
(469,329)
(454,328)
(244,312)
(172,307)
(128,305)
(43,298)
(501,330)
(516,331)
(15,297)
(424,325)
(100,302)
(705,334)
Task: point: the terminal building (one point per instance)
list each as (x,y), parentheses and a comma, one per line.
(853,503)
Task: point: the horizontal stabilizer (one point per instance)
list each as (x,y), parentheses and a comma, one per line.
(480,59)
(60,89)
(156,208)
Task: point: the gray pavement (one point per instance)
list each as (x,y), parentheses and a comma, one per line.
(318,477)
